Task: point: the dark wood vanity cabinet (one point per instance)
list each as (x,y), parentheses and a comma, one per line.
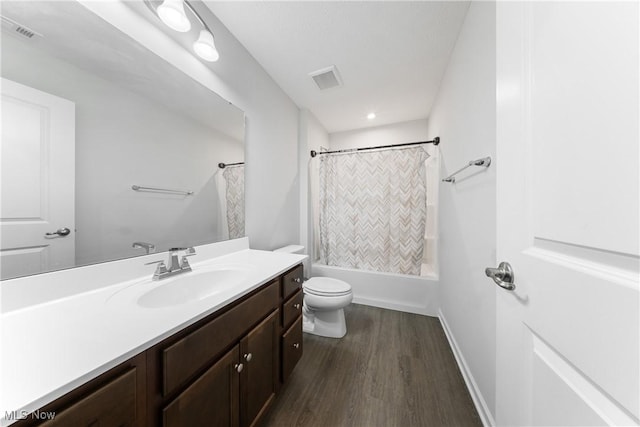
(211,400)
(115,398)
(291,332)
(235,389)
(224,370)
(291,309)
(292,281)
(291,348)
(112,404)
(239,387)
(259,378)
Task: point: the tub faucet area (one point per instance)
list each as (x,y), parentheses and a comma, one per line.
(177,265)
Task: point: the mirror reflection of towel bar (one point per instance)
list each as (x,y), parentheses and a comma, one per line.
(485,161)
(224,165)
(161,190)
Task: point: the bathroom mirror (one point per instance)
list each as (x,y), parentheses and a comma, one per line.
(87,114)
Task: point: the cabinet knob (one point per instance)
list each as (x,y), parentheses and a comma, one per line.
(296,345)
(238,367)
(297,280)
(296,306)
(248,357)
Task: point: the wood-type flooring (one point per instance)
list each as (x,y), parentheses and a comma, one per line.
(391,369)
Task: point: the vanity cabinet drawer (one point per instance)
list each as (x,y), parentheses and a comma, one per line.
(291,348)
(291,282)
(113,404)
(182,360)
(291,309)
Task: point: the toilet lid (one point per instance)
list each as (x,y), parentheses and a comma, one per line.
(326,286)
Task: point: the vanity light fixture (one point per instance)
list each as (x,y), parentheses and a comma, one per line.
(205,48)
(172,13)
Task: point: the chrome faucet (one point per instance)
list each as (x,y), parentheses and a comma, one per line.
(149,247)
(177,265)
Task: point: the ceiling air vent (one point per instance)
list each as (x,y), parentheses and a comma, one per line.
(15,28)
(326,78)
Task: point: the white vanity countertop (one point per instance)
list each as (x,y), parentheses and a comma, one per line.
(51,348)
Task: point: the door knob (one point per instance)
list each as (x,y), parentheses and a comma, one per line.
(503,276)
(59,232)
(248,357)
(238,367)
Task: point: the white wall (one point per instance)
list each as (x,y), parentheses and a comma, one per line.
(396,133)
(464,116)
(271,180)
(123,139)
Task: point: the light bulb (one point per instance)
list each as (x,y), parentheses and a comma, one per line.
(205,47)
(171,12)
(371,116)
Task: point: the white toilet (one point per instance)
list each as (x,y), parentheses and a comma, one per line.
(324,302)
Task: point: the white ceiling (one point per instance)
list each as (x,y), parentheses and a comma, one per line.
(391,55)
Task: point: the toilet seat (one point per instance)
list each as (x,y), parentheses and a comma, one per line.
(326,286)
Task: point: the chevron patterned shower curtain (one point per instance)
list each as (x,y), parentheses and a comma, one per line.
(234,176)
(373,210)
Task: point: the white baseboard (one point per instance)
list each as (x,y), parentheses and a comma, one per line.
(389,305)
(476,396)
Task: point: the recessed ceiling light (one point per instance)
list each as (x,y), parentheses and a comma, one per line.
(371,116)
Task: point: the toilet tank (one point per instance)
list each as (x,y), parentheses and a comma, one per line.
(297,249)
(291,249)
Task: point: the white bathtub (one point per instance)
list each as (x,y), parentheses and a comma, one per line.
(411,294)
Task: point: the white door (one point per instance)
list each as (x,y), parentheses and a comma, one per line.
(37,154)
(568,183)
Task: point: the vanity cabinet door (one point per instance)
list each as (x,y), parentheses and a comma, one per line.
(113,404)
(212,400)
(259,379)
(291,348)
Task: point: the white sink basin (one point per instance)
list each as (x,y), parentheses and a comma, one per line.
(188,287)
(182,288)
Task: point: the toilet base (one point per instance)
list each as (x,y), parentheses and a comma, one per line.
(330,324)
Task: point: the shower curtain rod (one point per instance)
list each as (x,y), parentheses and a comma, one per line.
(434,141)
(224,165)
